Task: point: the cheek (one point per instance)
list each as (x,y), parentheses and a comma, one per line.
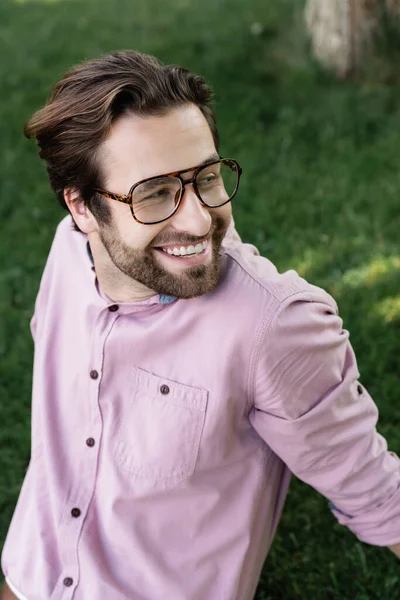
(134,234)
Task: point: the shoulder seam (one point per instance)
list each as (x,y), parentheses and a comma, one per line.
(265,327)
(291,289)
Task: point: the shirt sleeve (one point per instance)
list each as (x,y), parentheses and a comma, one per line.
(33,326)
(40,302)
(310,408)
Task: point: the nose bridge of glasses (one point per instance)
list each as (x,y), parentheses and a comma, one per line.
(190,181)
(189,176)
(185,181)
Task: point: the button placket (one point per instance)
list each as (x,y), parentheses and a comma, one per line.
(82,492)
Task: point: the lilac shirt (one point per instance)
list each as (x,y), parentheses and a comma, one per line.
(164,434)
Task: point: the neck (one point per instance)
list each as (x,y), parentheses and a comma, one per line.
(113,282)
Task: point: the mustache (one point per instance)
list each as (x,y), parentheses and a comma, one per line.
(185,238)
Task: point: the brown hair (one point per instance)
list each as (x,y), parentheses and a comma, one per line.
(84,104)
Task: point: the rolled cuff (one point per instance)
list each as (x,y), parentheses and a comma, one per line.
(378,527)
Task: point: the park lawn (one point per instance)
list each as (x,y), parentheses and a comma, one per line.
(320,194)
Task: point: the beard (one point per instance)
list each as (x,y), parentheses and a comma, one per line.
(143,266)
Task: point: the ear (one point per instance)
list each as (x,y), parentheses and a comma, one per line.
(79,211)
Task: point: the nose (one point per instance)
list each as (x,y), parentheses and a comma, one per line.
(192,216)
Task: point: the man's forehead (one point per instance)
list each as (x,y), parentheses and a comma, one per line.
(140,147)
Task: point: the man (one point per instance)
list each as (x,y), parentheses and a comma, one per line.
(178,378)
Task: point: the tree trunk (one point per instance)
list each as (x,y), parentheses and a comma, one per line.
(342,31)
(393,7)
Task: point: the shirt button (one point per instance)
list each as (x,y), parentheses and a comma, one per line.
(90,442)
(164,389)
(94,374)
(113,308)
(75,512)
(68,581)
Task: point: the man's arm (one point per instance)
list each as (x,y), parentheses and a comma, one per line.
(395,549)
(320,420)
(6,593)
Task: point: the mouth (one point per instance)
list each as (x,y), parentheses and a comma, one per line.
(190,254)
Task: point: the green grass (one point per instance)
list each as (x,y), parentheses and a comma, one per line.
(320,194)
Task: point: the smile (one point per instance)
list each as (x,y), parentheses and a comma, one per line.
(185,250)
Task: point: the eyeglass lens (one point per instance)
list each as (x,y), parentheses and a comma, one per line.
(156,199)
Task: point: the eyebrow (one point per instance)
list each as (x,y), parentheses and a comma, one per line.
(153,182)
(150,184)
(214,156)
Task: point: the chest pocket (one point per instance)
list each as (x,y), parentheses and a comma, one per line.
(158,438)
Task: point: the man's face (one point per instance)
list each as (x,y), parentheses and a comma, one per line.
(145,147)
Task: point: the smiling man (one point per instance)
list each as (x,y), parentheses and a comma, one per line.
(179,379)
(178,254)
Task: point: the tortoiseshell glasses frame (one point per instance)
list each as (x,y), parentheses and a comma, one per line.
(231,163)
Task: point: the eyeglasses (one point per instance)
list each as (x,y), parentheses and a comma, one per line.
(156,199)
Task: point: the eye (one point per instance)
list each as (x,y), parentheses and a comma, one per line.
(158,194)
(206,178)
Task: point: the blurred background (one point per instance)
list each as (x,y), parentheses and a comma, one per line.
(307,100)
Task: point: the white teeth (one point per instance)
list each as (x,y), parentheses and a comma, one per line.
(190,250)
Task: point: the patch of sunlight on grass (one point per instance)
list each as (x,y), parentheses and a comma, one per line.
(388,309)
(372,273)
(306,264)
(310,260)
